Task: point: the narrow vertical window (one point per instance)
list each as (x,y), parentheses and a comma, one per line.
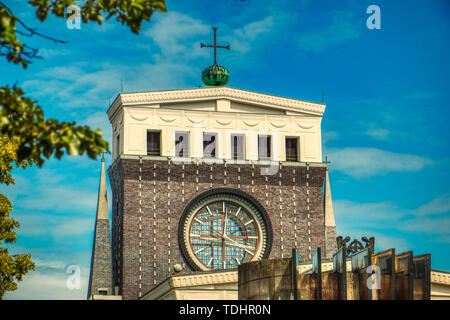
(209,145)
(153,143)
(264,150)
(237,146)
(118,144)
(182,144)
(291,149)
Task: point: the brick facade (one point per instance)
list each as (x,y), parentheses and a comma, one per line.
(149,195)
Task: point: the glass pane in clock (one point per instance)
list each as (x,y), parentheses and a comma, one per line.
(223,235)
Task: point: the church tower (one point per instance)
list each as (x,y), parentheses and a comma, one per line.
(100,277)
(210,177)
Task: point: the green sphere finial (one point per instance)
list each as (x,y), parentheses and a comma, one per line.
(215,76)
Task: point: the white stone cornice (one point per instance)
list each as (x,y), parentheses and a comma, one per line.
(204,279)
(202,94)
(440,277)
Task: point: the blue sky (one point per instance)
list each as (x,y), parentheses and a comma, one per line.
(385,128)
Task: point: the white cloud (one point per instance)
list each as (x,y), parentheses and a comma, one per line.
(440,204)
(178,37)
(444,238)
(376,214)
(177,34)
(53,225)
(384,242)
(37,286)
(73,87)
(49,283)
(391,225)
(365,219)
(243,39)
(344,27)
(81,86)
(329,136)
(378,133)
(66,187)
(359,220)
(99,120)
(367,162)
(51,53)
(55,198)
(67,199)
(425,225)
(162,75)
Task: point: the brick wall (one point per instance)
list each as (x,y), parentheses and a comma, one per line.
(150,195)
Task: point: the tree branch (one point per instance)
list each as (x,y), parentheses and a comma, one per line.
(32,31)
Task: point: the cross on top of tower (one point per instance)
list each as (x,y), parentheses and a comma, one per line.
(215,75)
(215,46)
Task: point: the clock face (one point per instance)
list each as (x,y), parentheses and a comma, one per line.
(222,230)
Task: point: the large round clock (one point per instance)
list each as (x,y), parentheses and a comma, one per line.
(221,228)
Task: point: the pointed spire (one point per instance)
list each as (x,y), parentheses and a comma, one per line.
(329,212)
(100,278)
(102,202)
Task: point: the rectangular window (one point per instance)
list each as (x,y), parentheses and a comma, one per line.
(182,144)
(153,143)
(209,145)
(264,150)
(118,145)
(291,149)
(237,146)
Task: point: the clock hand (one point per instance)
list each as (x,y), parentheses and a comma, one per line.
(224,224)
(217,233)
(227,238)
(225,227)
(237,244)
